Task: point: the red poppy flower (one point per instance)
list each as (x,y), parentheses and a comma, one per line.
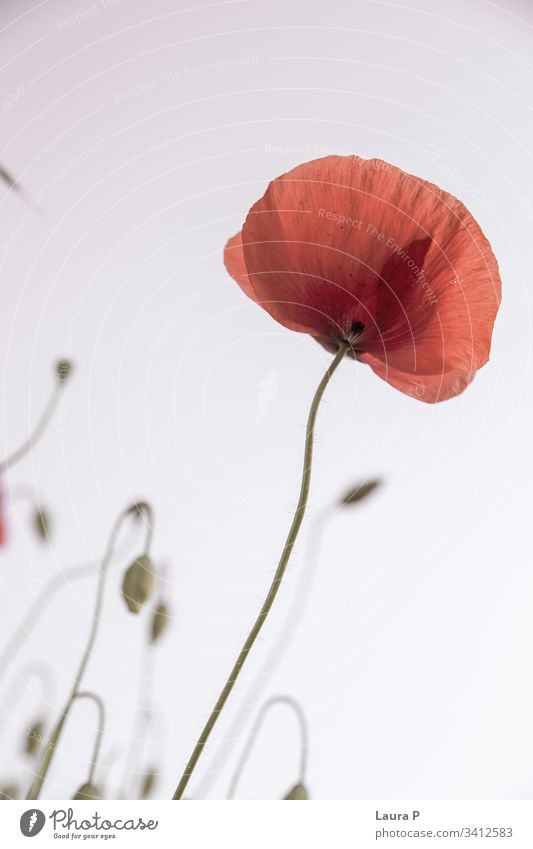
(349,249)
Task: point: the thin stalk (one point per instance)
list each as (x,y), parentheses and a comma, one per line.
(37,432)
(145,509)
(279,648)
(252,737)
(278,576)
(87,694)
(37,608)
(47,683)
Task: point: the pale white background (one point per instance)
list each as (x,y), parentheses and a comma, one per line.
(142,133)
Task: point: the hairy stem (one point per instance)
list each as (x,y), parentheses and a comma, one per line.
(278,576)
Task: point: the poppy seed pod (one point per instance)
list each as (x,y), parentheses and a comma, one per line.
(34,738)
(41,523)
(297,793)
(138,583)
(63,369)
(357,493)
(160,620)
(87,791)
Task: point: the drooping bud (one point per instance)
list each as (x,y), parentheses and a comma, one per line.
(34,738)
(357,493)
(9,791)
(41,523)
(148,784)
(297,793)
(160,621)
(138,583)
(87,791)
(137,509)
(63,369)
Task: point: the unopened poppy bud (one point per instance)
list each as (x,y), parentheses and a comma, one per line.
(359,492)
(8,791)
(63,369)
(87,791)
(298,793)
(137,509)
(160,620)
(149,782)
(138,583)
(41,523)
(34,738)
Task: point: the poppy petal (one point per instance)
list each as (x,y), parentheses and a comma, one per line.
(346,248)
(236,266)
(424,387)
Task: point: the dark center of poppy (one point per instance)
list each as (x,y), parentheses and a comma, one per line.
(356,330)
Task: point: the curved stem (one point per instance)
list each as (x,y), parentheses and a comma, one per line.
(279,648)
(140,509)
(47,684)
(87,694)
(37,609)
(37,432)
(252,737)
(278,576)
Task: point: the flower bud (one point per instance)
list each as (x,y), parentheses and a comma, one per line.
(160,621)
(63,370)
(34,738)
(357,493)
(138,584)
(148,784)
(298,793)
(87,791)
(41,523)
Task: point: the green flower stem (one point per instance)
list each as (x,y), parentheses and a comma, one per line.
(37,432)
(252,737)
(138,509)
(271,661)
(87,694)
(278,577)
(35,611)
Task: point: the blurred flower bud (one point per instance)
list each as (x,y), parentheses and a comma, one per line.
(138,583)
(160,621)
(63,369)
(87,791)
(298,793)
(359,492)
(8,791)
(148,784)
(34,738)
(41,522)
(137,509)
